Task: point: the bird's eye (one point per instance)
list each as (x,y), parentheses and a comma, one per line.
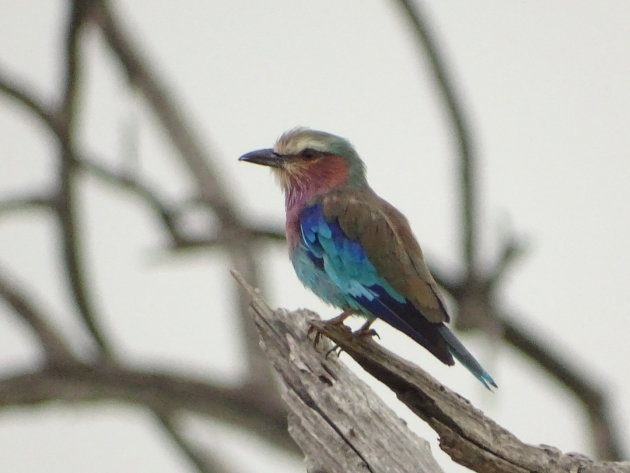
(308,153)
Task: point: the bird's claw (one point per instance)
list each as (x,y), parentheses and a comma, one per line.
(362,332)
(318,334)
(336,349)
(370,332)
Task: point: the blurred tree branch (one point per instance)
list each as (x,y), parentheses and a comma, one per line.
(201,460)
(157,389)
(23,203)
(55,349)
(60,123)
(475,291)
(65,201)
(426,41)
(74,261)
(198,162)
(14,89)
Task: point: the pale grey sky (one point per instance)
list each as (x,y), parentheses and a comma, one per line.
(547,90)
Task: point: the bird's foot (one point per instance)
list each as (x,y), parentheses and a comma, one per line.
(358,334)
(318,336)
(339,320)
(335,321)
(335,349)
(366,331)
(362,332)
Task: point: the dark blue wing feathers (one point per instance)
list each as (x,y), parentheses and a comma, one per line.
(359,286)
(346,264)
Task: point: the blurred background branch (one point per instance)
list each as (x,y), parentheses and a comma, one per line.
(210,189)
(54,383)
(475,291)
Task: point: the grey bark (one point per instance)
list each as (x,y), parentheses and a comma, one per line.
(342,426)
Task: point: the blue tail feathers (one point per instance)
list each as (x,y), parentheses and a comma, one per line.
(461,354)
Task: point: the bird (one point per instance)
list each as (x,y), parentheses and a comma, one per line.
(352,248)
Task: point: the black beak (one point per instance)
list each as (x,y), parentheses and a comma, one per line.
(265,157)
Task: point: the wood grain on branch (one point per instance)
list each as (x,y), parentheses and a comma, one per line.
(322,417)
(338,422)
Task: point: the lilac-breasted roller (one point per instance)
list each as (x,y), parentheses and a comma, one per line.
(352,248)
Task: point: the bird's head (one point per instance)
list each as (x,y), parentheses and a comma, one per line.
(307,162)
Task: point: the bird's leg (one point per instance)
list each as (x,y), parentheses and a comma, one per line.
(338,320)
(336,349)
(365,330)
(341,317)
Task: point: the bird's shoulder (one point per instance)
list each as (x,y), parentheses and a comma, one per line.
(388,242)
